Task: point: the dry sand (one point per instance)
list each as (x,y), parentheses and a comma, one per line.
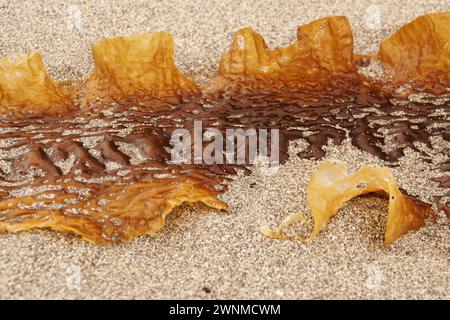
(202,254)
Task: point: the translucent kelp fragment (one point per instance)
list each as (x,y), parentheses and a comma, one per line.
(324,48)
(26,88)
(120,213)
(137,65)
(331,186)
(420,51)
(331,44)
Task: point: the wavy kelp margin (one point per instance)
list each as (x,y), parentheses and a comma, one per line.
(120,213)
(78,155)
(320,62)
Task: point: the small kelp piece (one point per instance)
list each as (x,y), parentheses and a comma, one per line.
(324,48)
(420,51)
(140,65)
(331,186)
(26,88)
(120,213)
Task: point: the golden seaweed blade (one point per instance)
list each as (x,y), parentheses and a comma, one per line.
(419,52)
(323,51)
(118,213)
(51,177)
(330,42)
(27,89)
(97,172)
(140,65)
(331,186)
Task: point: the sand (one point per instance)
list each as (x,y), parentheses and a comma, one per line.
(204,254)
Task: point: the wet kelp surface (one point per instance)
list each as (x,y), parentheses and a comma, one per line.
(93,157)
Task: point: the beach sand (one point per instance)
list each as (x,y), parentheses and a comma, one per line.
(204,254)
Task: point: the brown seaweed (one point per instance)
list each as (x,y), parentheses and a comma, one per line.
(419,54)
(90,156)
(331,186)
